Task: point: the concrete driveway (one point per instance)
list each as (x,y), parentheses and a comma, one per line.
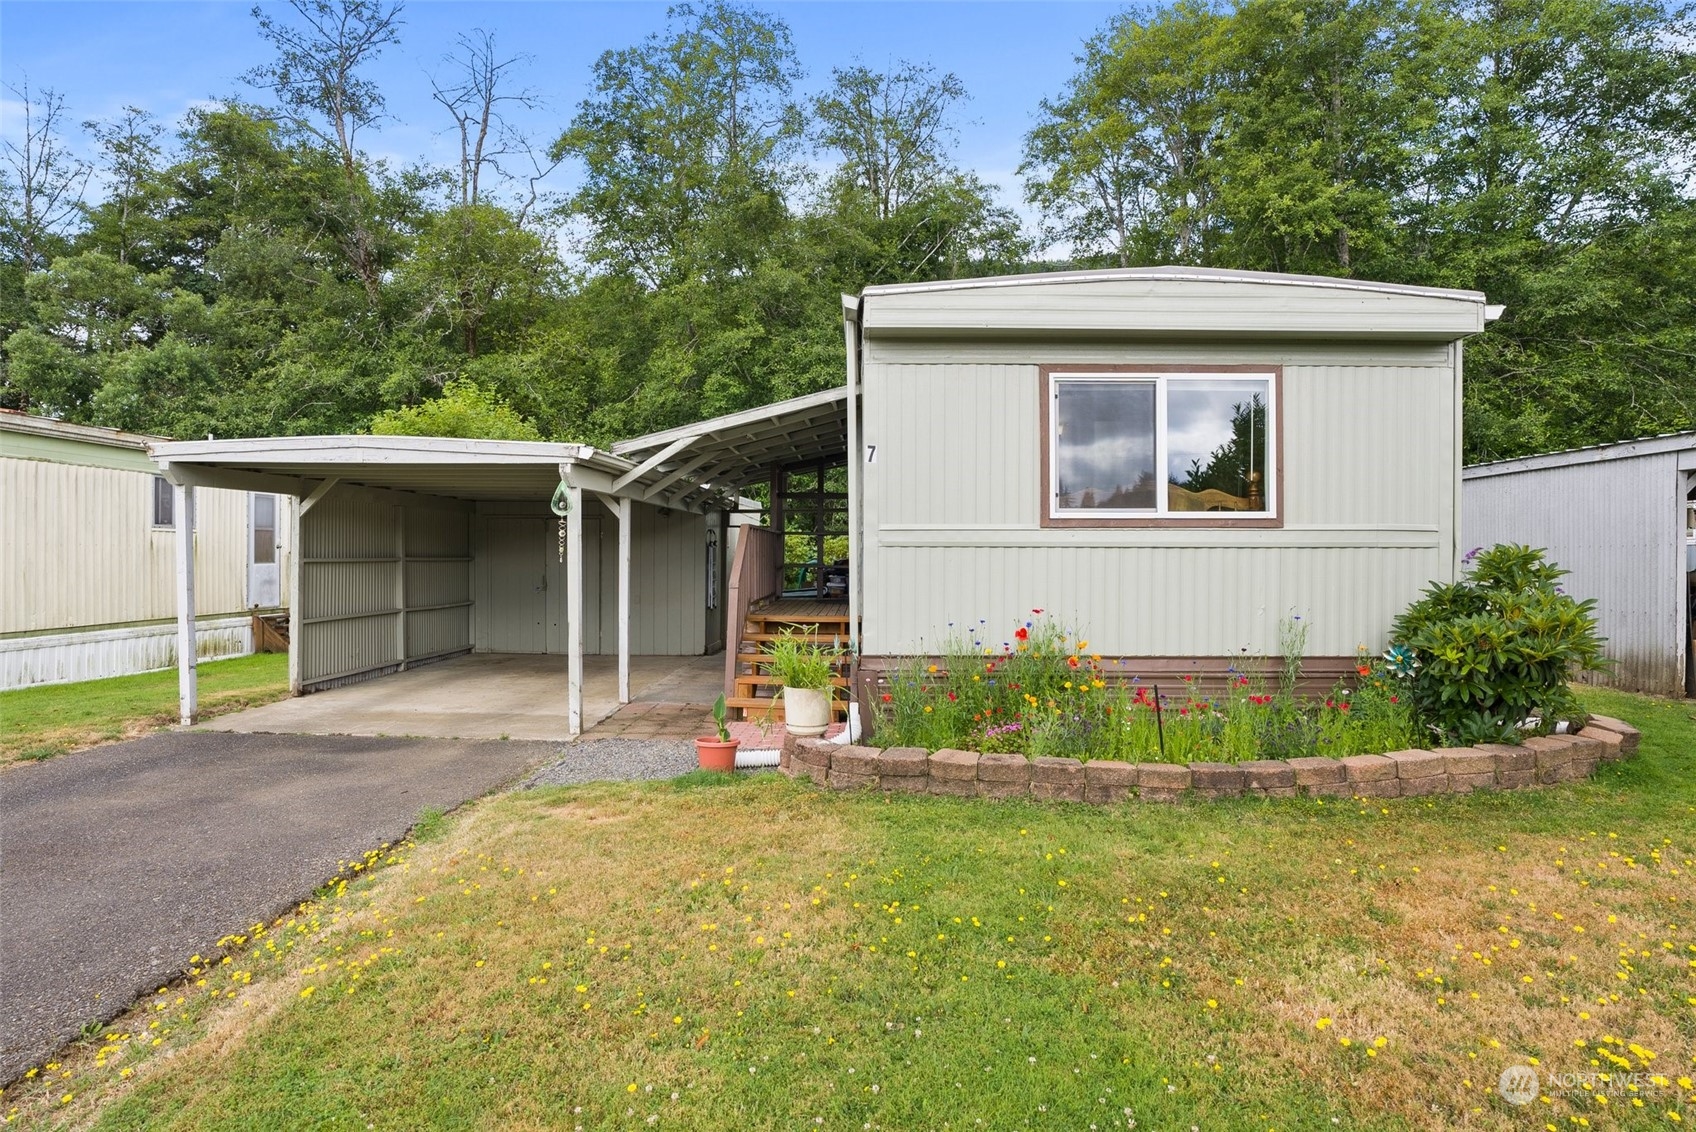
(118,863)
(482,696)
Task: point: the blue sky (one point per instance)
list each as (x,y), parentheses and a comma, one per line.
(165,56)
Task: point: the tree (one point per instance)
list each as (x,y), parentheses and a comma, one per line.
(42,182)
(316,78)
(464,409)
(1120,163)
(684,143)
(130,146)
(897,209)
(475,264)
(474,98)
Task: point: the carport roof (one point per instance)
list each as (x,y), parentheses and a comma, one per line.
(448,467)
(745,447)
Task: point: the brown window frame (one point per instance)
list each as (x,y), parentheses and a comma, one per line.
(1199,519)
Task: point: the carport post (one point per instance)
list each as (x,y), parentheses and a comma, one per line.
(573,604)
(188,689)
(622,510)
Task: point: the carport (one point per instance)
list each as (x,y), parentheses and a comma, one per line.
(417,549)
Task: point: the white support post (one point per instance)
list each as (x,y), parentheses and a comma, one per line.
(622,509)
(574,608)
(297,554)
(188,687)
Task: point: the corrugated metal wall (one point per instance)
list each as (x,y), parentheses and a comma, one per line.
(1618,526)
(78,548)
(520,583)
(381,584)
(668,583)
(953,502)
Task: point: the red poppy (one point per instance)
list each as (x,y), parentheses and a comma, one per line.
(1363,669)
(887,697)
(1072,661)
(952,697)
(1022,634)
(1394,700)
(1036,611)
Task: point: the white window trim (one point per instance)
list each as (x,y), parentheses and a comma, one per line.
(1161,380)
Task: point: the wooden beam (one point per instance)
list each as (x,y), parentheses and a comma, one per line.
(573,606)
(188,682)
(651,463)
(622,509)
(318,493)
(231,479)
(673,476)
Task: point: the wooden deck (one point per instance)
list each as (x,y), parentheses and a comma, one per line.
(752,688)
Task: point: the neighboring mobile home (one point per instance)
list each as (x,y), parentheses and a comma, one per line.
(1622,519)
(1174,460)
(87,526)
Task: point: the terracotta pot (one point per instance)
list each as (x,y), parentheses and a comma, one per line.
(806,712)
(714,754)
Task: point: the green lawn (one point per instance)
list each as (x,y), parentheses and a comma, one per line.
(37,723)
(765,955)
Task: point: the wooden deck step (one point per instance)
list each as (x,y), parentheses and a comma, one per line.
(805,638)
(763,679)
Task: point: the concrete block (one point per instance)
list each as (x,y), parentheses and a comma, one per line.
(812,752)
(903,784)
(1466,783)
(1272,792)
(1469,760)
(1159,794)
(1358,769)
(1552,751)
(1014,769)
(1378,788)
(1511,759)
(1629,735)
(1060,772)
(1268,774)
(1058,791)
(1163,776)
(1516,779)
(1216,780)
(1613,743)
(954,765)
(953,787)
(1424,787)
(1312,771)
(856,760)
(843,780)
(903,762)
(1110,772)
(1418,764)
(1004,788)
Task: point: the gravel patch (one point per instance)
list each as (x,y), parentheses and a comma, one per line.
(600,760)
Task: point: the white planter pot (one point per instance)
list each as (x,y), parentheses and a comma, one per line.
(806,711)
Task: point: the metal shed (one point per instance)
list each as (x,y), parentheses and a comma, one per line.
(1622,519)
(1026,442)
(415,549)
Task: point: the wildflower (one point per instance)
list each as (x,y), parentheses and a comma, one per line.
(1022,634)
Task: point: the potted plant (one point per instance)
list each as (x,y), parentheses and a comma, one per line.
(805,669)
(717,752)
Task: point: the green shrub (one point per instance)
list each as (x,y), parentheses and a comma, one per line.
(1495,649)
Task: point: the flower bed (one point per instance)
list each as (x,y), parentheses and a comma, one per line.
(1539,761)
(1042,692)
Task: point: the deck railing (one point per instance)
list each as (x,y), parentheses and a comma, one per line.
(756,574)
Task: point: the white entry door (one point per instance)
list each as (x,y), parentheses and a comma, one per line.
(264,576)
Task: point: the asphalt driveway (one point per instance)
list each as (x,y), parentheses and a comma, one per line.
(117,864)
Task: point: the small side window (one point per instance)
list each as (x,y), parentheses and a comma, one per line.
(164,503)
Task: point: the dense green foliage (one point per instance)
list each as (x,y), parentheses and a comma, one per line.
(1496,648)
(253,270)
